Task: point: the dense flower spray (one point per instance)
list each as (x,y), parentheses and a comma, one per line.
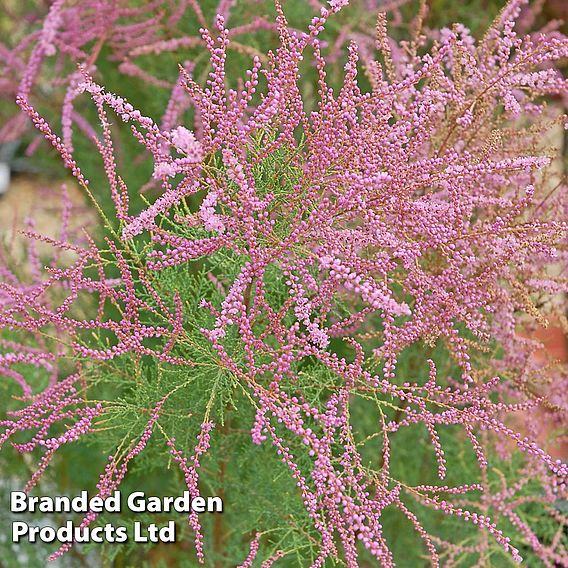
(78,32)
(413,214)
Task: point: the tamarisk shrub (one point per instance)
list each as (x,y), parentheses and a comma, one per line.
(318,318)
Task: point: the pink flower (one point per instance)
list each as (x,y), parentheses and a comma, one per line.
(211,220)
(185,142)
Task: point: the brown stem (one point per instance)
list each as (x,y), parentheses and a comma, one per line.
(219,530)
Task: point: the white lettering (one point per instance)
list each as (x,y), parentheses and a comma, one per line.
(19,529)
(18,501)
(136,502)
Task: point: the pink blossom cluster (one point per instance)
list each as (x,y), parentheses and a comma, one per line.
(73,33)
